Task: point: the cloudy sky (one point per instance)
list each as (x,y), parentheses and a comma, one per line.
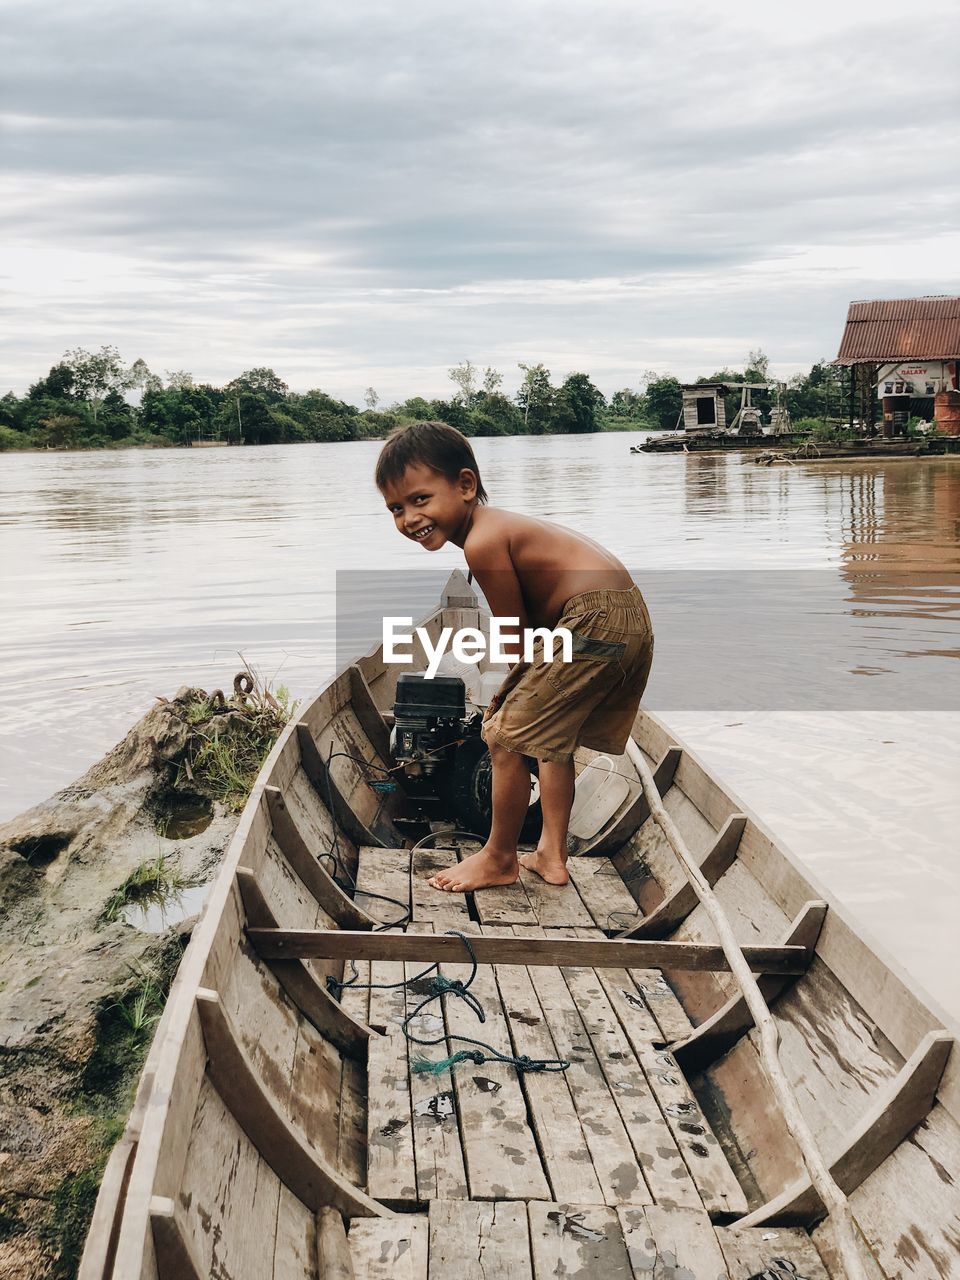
(367,193)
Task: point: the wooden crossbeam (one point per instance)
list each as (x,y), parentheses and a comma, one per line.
(340,944)
(313,873)
(309,995)
(296,1163)
(901,1106)
(675,908)
(718,1033)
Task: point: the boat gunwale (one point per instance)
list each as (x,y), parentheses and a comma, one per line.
(182,1009)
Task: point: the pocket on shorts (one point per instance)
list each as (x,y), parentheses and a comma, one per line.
(595,665)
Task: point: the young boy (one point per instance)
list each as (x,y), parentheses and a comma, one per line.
(547,576)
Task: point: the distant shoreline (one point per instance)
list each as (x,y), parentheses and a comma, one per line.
(149,447)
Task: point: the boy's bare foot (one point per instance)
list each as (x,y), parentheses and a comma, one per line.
(548,866)
(482,870)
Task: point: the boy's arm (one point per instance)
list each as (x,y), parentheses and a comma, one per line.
(494,570)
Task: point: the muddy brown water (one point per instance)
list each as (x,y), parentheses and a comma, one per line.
(807,619)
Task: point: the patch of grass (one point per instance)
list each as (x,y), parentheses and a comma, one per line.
(125,1026)
(232,738)
(808,424)
(152,881)
(829,432)
(66,1230)
(141,1008)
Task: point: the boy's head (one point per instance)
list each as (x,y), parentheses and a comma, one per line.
(436,445)
(431,482)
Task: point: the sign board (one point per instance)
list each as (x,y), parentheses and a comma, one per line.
(913,379)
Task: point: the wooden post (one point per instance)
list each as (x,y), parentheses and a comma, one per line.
(821,1179)
(333,1251)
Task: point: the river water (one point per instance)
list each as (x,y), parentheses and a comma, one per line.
(807,622)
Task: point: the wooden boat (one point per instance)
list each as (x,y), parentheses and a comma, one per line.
(281,1133)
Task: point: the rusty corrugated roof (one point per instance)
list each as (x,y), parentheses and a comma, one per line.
(902,329)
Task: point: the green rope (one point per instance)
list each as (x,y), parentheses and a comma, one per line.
(440,986)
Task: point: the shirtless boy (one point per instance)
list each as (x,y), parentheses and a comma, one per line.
(547,576)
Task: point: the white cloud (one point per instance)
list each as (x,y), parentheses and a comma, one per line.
(369,195)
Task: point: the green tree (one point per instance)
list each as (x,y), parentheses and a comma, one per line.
(454,412)
(252,409)
(181,414)
(259,382)
(95,375)
(664,400)
(249,418)
(37,409)
(57,385)
(535,398)
(757,368)
(417,408)
(141,379)
(576,405)
(58,431)
(465,377)
(492,380)
(374,425)
(627,404)
(11,412)
(494,415)
(116,419)
(12,439)
(323,417)
(818,394)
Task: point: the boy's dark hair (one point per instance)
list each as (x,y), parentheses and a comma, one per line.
(436,444)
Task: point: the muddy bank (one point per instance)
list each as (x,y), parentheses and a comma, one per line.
(99,888)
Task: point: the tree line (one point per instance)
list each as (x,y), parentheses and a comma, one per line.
(94,400)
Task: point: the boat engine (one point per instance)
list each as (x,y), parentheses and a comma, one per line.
(446,764)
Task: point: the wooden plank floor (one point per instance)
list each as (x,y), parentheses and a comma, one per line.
(618,1127)
(608,1169)
(541,1240)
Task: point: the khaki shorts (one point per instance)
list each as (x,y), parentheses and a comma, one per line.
(548,709)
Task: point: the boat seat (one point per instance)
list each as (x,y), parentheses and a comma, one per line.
(470,1240)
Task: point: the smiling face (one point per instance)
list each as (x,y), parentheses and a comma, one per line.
(431,509)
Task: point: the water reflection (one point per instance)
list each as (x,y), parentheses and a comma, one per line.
(901,539)
(704,481)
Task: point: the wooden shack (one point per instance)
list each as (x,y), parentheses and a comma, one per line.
(904,354)
(703,407)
